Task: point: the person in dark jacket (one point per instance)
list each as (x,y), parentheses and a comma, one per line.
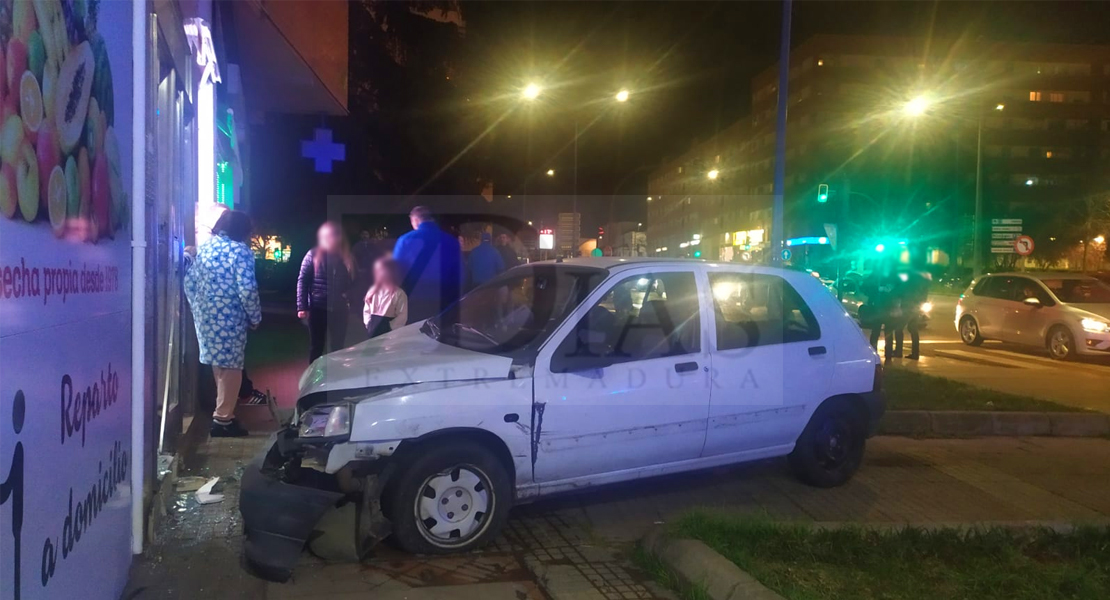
(508,253)
(484,262)
(322,289)
(913,293)
(885,309)
(430,261)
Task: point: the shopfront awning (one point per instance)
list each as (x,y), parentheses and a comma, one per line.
(292,56)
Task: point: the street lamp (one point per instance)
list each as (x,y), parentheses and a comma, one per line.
(918,106)
(713,174)
(531,91)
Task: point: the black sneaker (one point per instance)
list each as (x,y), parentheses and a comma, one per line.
(256,398)
(232,429)
(913,356)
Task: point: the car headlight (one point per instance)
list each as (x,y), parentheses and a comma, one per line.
(1094,325)
(926,307)
(325,422)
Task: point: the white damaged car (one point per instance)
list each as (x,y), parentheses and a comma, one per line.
(558,376)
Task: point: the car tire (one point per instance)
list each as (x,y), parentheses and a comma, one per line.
(445,485)
(1061,343)
(830,449)
(969,332)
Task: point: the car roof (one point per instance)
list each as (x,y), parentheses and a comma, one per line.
(616,264)
(1042,274)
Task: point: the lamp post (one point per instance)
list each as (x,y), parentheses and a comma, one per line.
(533,91)
(919,106)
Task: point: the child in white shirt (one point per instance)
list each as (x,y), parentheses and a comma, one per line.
(387,306)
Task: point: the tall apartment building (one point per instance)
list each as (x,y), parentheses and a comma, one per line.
(568,234)
(1045,116)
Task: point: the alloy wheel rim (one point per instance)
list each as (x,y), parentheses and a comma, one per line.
(453,506)
(1059,345)
(969,330)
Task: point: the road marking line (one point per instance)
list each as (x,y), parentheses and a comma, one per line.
(986,358)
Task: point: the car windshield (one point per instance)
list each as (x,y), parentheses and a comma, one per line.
(1079,291)
(515,311)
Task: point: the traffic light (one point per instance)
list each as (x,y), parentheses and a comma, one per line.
(823,193)
(697,253)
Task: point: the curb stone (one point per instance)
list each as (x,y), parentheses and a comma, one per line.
(967,423)
(698,564)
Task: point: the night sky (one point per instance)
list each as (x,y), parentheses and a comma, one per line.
(688,65)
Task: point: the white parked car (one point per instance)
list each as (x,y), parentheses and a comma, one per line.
(559,376)
(1068,314)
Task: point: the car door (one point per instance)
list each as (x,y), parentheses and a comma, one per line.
(771,364)
(993,301)
(625,383)
(1025,322)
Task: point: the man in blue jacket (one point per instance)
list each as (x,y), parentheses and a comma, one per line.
(484,262)
(431,265)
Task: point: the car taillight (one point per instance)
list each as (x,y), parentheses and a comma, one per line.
(877,384)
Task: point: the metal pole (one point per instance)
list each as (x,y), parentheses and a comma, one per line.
(977,222)
(777,208)
(574,194)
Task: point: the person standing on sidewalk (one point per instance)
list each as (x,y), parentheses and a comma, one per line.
(430,261)
(884,309)
(223,293)
(322,288)
(386,307)
(484,262)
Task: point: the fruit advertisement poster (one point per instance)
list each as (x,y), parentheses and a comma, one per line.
(65,300)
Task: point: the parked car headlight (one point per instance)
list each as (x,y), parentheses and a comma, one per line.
(325,422)
(1094,325)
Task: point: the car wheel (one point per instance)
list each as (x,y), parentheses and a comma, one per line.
(830,449)
(969,332)
(1061,343)
(451,497)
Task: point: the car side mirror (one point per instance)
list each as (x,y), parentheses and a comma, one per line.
(1031,301)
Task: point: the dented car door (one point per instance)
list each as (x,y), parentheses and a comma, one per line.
(624,383)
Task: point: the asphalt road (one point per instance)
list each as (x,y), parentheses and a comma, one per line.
(1008,367)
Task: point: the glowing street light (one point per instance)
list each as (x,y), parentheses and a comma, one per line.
(917,106)
(531,91)
(1099,239)
(713,174)
(622,96)
(551,172)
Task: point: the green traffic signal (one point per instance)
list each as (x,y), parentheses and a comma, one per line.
(697,253)
(823,193)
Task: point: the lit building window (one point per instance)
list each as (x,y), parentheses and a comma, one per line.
(1034,96)
(820,62)
(1048,154)
(1055,97)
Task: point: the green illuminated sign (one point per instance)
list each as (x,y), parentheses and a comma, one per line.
(225,184)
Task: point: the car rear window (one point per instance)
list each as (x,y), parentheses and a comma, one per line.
(759,310)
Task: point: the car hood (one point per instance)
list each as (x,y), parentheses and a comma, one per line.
(401,357)
(1098,310)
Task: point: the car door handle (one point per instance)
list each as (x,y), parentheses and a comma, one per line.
(817,350)
(685,367)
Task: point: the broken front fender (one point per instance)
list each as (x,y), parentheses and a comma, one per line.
(280,512)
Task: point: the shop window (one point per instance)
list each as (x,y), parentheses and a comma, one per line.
(1034,96)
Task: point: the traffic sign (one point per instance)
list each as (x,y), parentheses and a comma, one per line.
(1006,221)
(1023,245)
(786,254)
(1002,249)
(1013,228)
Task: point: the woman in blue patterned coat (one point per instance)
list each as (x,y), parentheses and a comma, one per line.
(223,294)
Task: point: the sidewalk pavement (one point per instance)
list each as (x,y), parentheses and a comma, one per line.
(577,547)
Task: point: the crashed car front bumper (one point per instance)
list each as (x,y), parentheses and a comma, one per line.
(280,512)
